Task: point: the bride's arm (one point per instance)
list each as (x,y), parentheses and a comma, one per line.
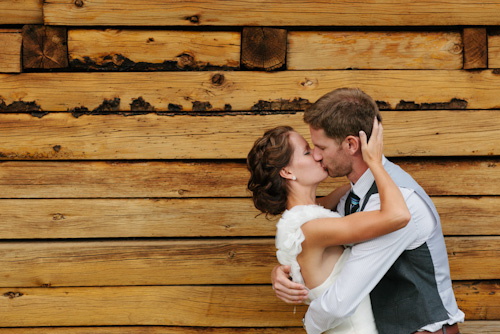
(331,200)
(362,226)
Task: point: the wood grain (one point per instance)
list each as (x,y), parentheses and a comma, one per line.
(469,327)
(123,49)
(339,50)
(44,47)
(192,217)
(271,13)
(187,262)
(186,305)
(211,306)
(493,49)
(151,136)
(175,179)
(10,52)
(243,90)
(21,12)
(475,48)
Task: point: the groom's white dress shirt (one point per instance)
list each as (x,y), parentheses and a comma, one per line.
(370,260)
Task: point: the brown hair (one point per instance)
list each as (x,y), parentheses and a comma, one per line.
(268,156)
(343,112)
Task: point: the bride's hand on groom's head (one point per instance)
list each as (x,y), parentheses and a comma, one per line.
(285,289)
(372,149)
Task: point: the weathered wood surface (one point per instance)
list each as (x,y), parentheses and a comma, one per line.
(10,52)
(21,12)
(44,47)
(197,217)
(175,330)
(187,262)
(152,49)
(213,306)
(181,306)
(469,327)
(471,257)
(151,136)
(124,218)
(475,48)
(494,49)
(250,90)
(468,216)
(374,50)
(263,48)
(95,179)
(271,13)
(144,262)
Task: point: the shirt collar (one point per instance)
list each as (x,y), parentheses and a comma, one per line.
(365,182)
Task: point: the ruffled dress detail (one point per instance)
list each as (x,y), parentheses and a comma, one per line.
(289,236)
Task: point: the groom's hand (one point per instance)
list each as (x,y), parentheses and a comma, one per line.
(287,290)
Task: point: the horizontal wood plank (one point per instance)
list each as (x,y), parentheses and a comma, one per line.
(249,90)
(147,262)
(21,12)
(215,306)
(62,136)
(271,13)
(469,327)
(10,52)
(374,50)
(192,217)
(123,49)
(96,179)
(186,262)
(468,215)
(127,218)
(211,306)
(168,330)
(471,257)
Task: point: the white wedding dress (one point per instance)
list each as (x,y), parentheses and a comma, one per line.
(289,238)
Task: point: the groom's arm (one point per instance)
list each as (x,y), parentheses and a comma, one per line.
(366,265)
(331,200)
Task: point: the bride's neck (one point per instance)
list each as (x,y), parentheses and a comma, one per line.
(301,195)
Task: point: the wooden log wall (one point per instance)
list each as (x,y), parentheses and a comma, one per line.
(124,128)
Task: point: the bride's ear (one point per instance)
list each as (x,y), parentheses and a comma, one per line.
(287,174)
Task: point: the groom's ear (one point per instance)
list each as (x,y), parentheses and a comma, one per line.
(352,144)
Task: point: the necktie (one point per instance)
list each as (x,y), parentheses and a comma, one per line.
(354,202)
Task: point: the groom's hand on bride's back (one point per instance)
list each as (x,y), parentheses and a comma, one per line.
(285,289)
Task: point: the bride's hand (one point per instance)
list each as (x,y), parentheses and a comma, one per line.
(373,149)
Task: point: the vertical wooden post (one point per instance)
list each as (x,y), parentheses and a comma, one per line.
(263,48)
(475,48)
(44,47)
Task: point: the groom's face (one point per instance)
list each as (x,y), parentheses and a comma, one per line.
(330,153)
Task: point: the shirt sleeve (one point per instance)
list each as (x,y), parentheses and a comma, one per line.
(367,264)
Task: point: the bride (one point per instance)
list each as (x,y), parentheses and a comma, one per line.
(310,238)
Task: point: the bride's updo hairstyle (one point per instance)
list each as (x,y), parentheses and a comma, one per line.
(268,156)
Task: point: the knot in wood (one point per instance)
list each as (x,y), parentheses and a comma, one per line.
(12,295)
(218,79)
(186,60)
(193,19)
(79,3)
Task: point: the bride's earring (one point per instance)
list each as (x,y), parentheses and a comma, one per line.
(294,178)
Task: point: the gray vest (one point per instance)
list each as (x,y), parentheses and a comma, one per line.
(416,291)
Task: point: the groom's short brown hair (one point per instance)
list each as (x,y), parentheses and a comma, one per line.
(343,112)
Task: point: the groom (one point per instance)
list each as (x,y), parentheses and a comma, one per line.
(405,272)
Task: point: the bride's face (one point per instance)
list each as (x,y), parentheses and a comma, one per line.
(302,164)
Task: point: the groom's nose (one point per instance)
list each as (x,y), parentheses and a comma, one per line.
(317,154)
